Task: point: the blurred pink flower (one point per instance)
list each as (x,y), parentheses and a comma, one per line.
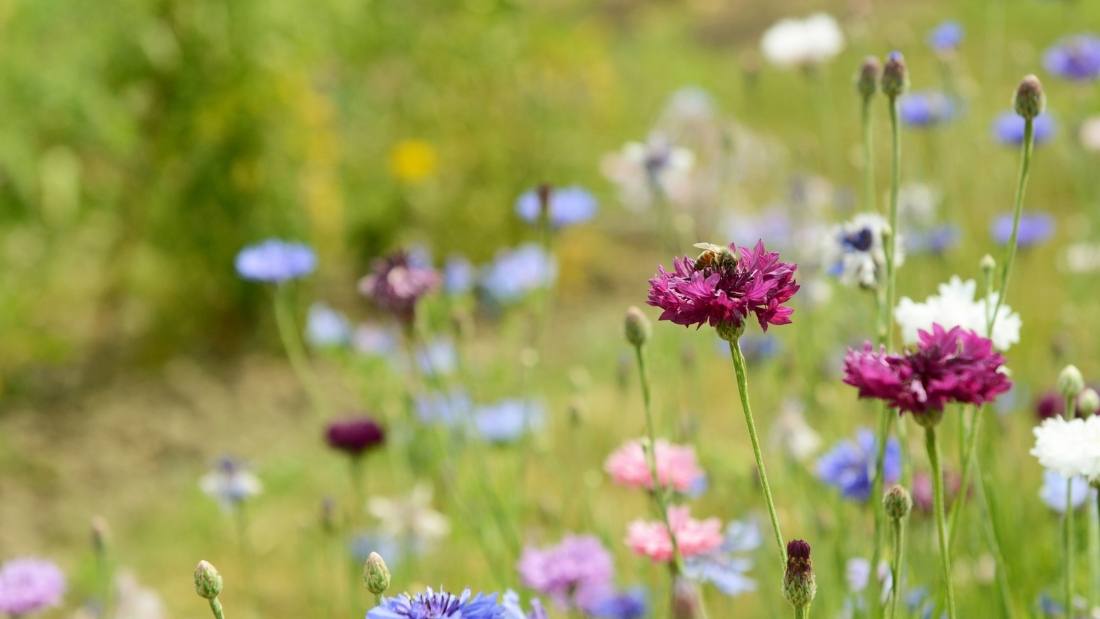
(694,537)
(677,467)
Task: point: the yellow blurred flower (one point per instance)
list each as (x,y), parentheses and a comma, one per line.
(412,161)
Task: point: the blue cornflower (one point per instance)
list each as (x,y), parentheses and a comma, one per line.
(439,605)
(934,240)
(448,409)
(231,483)
(275,261)
(925,109)
(1035,228)
(437,358)
(1008,129)
(629,604)
(514,610)
(849,466)
(458,275)
(326,327)
(568,206)
(1053,492)
(517,272)
(946,37)
(374,340)
(1075,58)
(727,568)
(507,420)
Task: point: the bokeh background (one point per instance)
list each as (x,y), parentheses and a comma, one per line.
(147,141)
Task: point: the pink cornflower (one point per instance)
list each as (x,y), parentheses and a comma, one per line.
(677,467)
(396,284)
(572,573)
(693,537)
(953,365)
(723,286)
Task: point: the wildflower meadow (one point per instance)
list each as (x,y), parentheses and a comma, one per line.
(489,309)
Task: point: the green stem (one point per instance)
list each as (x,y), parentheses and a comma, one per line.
(1021,187)
(1094,552)
(216,606)
(868,160)
(743,389)
(295,351)
(1067,535)
(651,459)
(933,448)
(801,612)
(968,463)
(895,569)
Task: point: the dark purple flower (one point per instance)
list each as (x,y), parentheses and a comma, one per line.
(1035,228)
(572,573)
(29,585)
(275,261)
(722,287)
(1050,404)
(947,366)
(1075,58)
(1008,129)
(946,37)
(396,284)
(355,436)
(925,109)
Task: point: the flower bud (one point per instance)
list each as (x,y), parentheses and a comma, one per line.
(636,326)
(895,76)
(799,585)
(1070,382)
(897,502)
(1029,100)
(208,582)
(685,600)
(1088,402)
(988,264)
(730,331)
(867,79)
(376,575)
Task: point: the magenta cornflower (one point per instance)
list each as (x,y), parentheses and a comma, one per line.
(573,573)
(29,585)
(397,283)
(355,436)
(955,365)
(723,286)
(677,467)
(693,537)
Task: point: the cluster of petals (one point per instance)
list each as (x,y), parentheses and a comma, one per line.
(947,365)
(694,294)
(396,284)
(955,306)
(573,573)
(693,537)
(1069,446)
(677,467)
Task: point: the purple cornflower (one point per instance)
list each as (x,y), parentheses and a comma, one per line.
(573,573)
(568,205)
(438,605)
(934,240)
(396,284)
(274,261)
(629,604)
(507,420)
(723,286)
(1008,129)
(946,366)
(355,436)
(1075,58)
(514,273)
(849,465)
(1035,228)
(946,37)
(28,585)
(925,109)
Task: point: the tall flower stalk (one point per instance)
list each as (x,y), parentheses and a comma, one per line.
(208,584)
(897,504)
(932,445)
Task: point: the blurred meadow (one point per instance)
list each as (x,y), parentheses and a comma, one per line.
(149,141)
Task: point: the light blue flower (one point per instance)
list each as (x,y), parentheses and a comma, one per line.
(275,261)
(925,109)
(1053,492)
(437,358)
(946,37)
(568,205)
(458,275)
(629,604)
(727,568)
(375,341)
(514,610)
(1008,129)
(439,605)
(515,273)
(1035,227)
(326,327)
(508,420)
(448,409)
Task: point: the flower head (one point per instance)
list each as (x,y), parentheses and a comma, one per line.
(275,261)
(1008,129)
(629,604)
(567,206)
(438,605)
(791,432)
(458,275)
(326,327)
(850,465)
(946,37)
(508,420)
(856,250)
(515,273)
(230,483)
(955,306)
(947,365)
(802,42)
(412,161)
(1070,447)
(1035,228)
(573,573)
(396,284)
(410,518)
(677,467)
(355,436)
(693,537)
(1076,58)
(649,172)
(923,498)
(28,585)
(1053,491)
(727,567)
(925,109)
(724,286)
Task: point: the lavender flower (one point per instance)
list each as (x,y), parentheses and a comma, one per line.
(850,464)
(568,206)
(458,275)
(935,240)
(516,273)
(727,568)
(508,420)
(572,573)
(274,261)
(1075,58)
(326,327)
(29,585)
(1008,129)
(396,283)
(438,605)
(437,357)
(946,37)
(925,109)
(230,483)
(1035,227)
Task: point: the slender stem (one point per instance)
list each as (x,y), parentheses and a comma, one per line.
(1067,534)
(216,606)
(892,239)
(295,351)
(1021,187)
(1094,551)
(885,417)
(968,463)
(869,202)
(801,612)
(658,491)
(743,390)
(933,448)
(899,560)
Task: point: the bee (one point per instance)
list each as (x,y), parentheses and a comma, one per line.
(714,257)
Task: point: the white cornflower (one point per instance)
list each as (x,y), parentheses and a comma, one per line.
(1070,447)
(855,251)
(793,434)
(411,517)
(802,42)
(645,173)
(955,306)
(230,483)
(1089,134)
